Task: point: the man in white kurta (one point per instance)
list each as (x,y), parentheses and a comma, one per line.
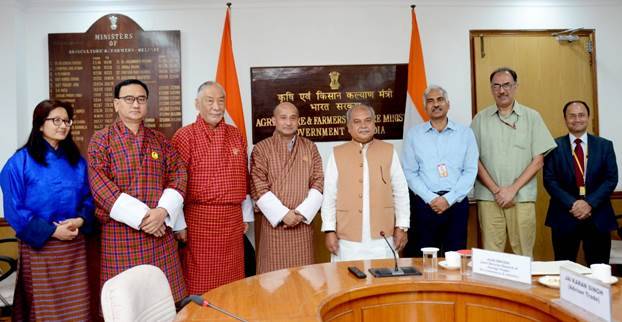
(371,199)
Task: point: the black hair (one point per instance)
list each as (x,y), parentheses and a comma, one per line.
(504,70)
(117,88)
(587,107)
(36,144)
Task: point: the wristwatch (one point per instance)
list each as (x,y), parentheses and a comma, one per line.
(404,229)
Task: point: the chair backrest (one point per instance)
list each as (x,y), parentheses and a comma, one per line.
(8,275)
(141,293)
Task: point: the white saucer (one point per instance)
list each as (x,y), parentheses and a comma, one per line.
(551,281)
(612,279)
(444,265)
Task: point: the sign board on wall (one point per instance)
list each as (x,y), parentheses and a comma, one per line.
(84,67)
(323,94)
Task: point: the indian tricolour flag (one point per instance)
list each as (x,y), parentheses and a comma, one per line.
(415,112)
(227,76)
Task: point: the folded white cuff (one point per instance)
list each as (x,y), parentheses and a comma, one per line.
(310,206)
(328,226)
(129,210)
(248,214)
(173,202)
(180,223)
(272,208)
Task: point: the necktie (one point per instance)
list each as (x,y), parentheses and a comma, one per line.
(579,166)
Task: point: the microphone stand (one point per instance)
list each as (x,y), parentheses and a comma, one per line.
(396,271)
(201,302)
(397,268)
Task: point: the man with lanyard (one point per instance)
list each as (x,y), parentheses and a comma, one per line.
(512,141)
(580,188)
(440,164)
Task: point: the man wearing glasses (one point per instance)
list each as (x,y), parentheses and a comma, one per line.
(512,141)
(138,182)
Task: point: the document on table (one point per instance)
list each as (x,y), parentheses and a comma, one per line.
(552,268)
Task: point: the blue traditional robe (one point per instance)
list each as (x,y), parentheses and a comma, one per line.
(35,196)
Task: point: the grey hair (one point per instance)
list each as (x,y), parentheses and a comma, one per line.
(210,83)
(431,88)
(369,108)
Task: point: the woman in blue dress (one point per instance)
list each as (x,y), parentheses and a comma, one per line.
(47,202)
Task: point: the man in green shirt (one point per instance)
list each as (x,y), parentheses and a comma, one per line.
(512,141)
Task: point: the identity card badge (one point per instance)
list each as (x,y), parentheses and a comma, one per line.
(442,170)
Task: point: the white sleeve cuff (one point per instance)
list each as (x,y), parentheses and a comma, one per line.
(129,210)
(272,208)
(180,223)
(173,202)
(248,215)
(310,206)
(329,226)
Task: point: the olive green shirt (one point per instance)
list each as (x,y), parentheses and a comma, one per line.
(507,146)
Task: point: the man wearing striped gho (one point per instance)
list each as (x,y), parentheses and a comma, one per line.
(286,183)
(216,158)
(138,182)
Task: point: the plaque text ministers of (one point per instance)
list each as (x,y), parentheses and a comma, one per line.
(84,67)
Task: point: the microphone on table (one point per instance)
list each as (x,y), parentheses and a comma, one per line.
(396,271)
(397,268)
(202,302)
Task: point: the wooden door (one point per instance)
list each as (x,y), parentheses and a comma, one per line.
(550,73)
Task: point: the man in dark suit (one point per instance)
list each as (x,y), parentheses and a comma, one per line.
(580,175)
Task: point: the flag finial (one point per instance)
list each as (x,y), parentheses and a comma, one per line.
(229,5)
(412,6)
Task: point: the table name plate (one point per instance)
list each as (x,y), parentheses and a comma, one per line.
(587,293)
(502,265)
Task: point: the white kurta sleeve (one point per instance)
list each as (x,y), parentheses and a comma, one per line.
(248,215)
(310,206)
(272,208)
(329,204)
(173,202)
(401,202)
(129,210)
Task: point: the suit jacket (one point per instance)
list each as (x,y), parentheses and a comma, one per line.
(601,179)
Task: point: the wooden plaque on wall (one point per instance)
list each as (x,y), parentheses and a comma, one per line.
(323,94)
(84,67)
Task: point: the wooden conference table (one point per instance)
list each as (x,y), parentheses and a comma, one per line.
(327,292)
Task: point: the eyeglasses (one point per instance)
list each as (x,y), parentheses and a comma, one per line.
(57,121)
(505,86)
(131,99)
